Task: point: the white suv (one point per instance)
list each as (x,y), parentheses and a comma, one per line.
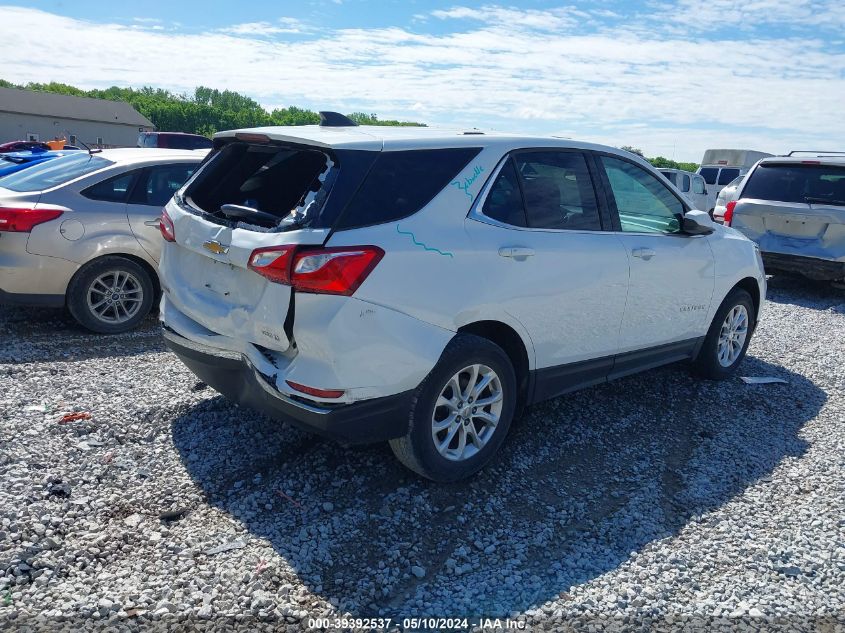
(422,286)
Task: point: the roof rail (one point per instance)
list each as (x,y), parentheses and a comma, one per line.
(816,152)
(335,119)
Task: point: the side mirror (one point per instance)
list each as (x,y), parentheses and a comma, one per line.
(698,223)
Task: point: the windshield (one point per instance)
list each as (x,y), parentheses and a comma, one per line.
(54,172)
(795,182)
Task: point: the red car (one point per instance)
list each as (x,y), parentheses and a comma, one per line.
(22,146)
(174,140)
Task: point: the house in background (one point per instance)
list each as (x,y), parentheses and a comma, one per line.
(43,116)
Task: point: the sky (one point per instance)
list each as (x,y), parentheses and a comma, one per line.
(670,77)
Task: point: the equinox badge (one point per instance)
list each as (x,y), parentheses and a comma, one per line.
(215,247)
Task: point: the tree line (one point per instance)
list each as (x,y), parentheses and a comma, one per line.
(662,162)
(209,110)
(205,112)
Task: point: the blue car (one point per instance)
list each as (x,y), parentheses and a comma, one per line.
(15,161)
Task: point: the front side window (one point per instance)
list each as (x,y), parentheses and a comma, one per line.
(159,183)
(54,172)
(685,186)
(710,174)
(112,190)
(645,205)
(727,175)
(558,191)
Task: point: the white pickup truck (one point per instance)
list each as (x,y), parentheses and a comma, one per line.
(721,166)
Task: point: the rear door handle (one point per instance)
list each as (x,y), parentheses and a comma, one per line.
(643,253)
(516,251)
(155,222)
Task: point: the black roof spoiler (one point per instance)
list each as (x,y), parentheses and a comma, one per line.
(817,153)
(335,119)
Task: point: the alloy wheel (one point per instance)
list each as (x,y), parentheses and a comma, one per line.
(466,412)
(732,335)
(115,296)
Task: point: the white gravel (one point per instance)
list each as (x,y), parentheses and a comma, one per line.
(657,502)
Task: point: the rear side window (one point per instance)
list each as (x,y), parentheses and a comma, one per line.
(709,174)
(727,175)
(504,202)
(401,183)
(698,185)
(112,190)
(558,191)
(790,182)
(159,183)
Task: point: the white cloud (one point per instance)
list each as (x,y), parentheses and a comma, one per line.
(505,71)
(259,29)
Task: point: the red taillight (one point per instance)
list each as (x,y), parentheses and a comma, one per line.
(16,220)
(334,271)
(273,263)
(729,212)
(165,225)
(312,391)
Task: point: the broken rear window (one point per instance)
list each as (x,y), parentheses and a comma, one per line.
(284,185)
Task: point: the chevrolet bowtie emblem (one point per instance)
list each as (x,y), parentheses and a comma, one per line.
(215,247)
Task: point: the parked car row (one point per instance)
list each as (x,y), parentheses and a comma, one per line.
(539,266)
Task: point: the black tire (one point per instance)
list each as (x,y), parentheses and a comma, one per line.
(417,449)
(81,285)
(707,362)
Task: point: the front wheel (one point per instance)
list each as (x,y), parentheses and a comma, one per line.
(461,412)
(728,338)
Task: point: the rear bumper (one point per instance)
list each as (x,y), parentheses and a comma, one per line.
(811,267)
(230,373)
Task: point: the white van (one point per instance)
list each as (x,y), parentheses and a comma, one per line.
(720,167)
(689,184)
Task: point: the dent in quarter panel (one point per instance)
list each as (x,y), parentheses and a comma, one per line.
(366,349)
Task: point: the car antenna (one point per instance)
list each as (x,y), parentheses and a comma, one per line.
(90,151)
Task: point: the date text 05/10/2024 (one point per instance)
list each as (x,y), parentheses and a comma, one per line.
(418,624)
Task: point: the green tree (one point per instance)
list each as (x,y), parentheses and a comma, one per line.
(204,111)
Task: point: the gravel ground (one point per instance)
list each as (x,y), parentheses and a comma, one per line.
(656,502)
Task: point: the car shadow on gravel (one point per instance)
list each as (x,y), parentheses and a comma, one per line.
(39,335)
(800,291)
(583,485)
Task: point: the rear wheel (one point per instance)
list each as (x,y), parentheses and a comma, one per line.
(461,412)
(728,338)
(110,295)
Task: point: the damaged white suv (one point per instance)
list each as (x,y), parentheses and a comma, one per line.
(422,286)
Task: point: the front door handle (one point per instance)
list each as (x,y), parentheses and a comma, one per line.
(517,252)
(643,253)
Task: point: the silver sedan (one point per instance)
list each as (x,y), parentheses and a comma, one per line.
(82,231)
